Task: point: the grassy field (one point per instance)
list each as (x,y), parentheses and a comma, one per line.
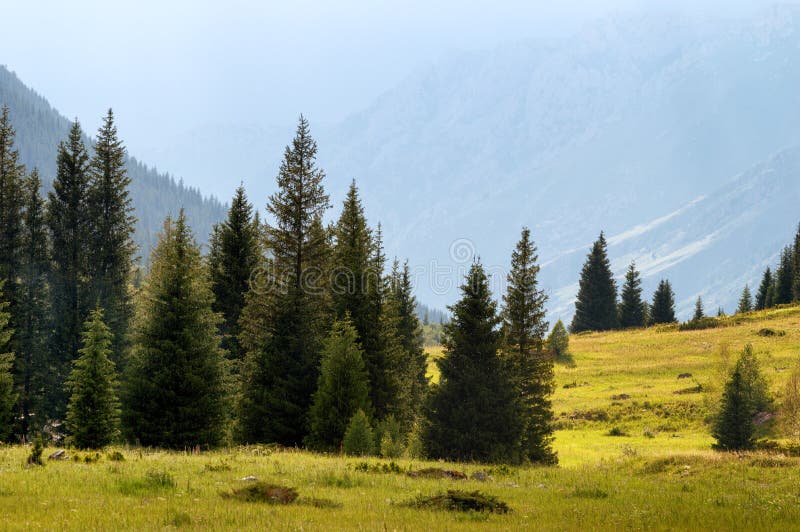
(659,474)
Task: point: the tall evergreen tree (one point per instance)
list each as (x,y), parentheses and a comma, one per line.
(699,312)
(472,413)
(93,410)
(745,301)
(763,290)
(235,254)
(69,223)
(558,340)
(174,393)
(7,395)
(596,306)
(632,308)
(343,387)
(281,367)
(529,364)
(663,308)
(784,279)
(796,266)
(12,174)
(111,247)
(31,364)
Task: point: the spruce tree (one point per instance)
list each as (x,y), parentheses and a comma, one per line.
(784,279)
(282,362)
(111,247)
(558,340)
(796,266)
(343,387)
(12,174)
(174,392)
(472,414)
(596,305)
(93,410)
(359,439)
(529,364)
(663,308)
(7,395)
(31,364)
(70,229)
(699,312)
(632,308)
(745,301)
(235,255)
(763,290)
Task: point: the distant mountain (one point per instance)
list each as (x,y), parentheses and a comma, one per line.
(155,195)
(626,123)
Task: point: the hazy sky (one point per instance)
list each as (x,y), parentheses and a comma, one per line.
(169,65)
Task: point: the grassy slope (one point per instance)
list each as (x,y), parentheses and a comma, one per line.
(669,481)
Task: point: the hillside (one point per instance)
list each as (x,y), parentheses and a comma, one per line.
(155,195)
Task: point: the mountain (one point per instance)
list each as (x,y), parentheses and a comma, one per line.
(40,128)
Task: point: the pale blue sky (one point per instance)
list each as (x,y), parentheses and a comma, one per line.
(167,66)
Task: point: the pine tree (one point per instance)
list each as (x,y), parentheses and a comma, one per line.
(174,394)
(12,174)
(93,410)
(530,366)
(745,301)
(235,255)
(111,247)
(7,395)
(663,308)
(596,306)
(343,387)
(699,312)
(763,290)
(558,341)
(784,279)
(69,224)
(632,308)
(746,393)
(281,364)
(472,413)
(31,364)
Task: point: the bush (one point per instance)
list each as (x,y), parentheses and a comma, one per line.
(461,501)
(263,492)
(35,458)
(616,431)
(115,456)
(389,440)
(358,438)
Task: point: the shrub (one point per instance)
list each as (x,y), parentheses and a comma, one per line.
(263,492)
(461,501)
(358,438)
(115,456)
(35,458)
(389,440)
(616,431)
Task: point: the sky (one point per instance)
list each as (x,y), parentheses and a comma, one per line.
(167,67)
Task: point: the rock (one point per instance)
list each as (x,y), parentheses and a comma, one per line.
(250,478)
(60,454)
(480,476)
(685,376)
(762,417)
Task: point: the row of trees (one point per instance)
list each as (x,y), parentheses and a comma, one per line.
(597,307)
(779,286)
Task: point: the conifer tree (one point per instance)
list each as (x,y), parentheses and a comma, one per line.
(784,279)
(763,290)
(93,410)
(746,393)
(31,364)
(359,439)
(70,231)
(343,387)
(699,312)
(745,301)
(235,254)
(472,413)
(663,308)
(281,368)
(12,174)
(796,266)
(529,365)
(632,308)
(174,393)
(7,395)
(111,247)
(596,305)
(558,341)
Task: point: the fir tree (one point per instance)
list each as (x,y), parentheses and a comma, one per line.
(235,254)
(359,440)
(93,410)
(763,290)
(530,366)
(784,279)
(281,366)
(746,393)
(632,308)
(745,301)
(343,387)
(174,394)
(69,224)
(596,306)
(472,413)
(111,247)
(663,308)
(7,395)
(699,312)
(31,364)
(558,341)
(12,174)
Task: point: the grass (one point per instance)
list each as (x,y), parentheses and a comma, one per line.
(656,472)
